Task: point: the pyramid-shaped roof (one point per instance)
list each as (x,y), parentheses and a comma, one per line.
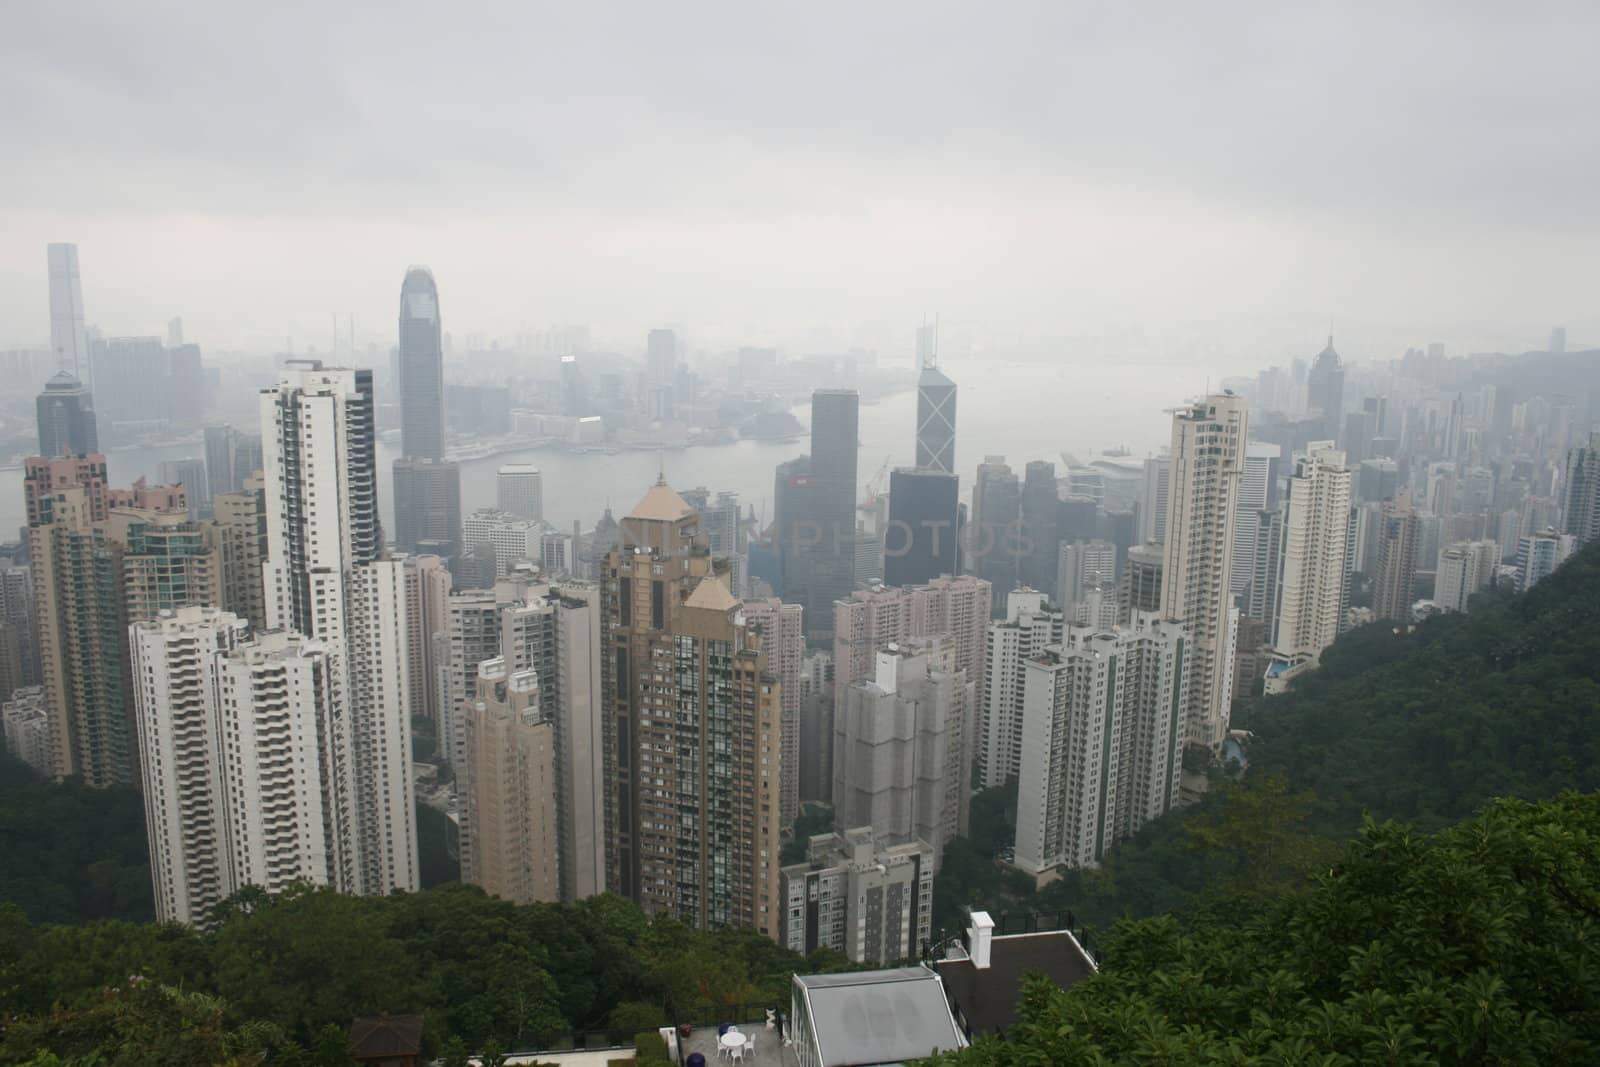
(712,595)
(660,504)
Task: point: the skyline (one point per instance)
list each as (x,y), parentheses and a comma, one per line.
(1096,180)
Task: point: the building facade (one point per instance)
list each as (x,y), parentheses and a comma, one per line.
(868,901)
(1030,625)
(1316,536)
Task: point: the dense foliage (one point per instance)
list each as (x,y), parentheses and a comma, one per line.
(1475,946)
(280,971)
(69,853)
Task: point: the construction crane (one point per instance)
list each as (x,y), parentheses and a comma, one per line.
(875,485)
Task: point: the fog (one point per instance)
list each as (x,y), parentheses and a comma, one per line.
(807,175)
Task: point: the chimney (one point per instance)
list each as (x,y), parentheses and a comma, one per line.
(980,938)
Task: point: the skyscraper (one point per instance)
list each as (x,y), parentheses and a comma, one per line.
(240,523)
(921,540)
(661,373)
(66,418)
(936,421)
(511,791)
(519,490)
(1258,491)
(1399,538)
(783,640)
(1208,455)
(1316,535)
(692,730)
(421,367)
(1325,389)
(1037,549)
(1580,503)
(69,341)
(1154,489)
(1538,556)
(1466,568)
(991,537)
(326,579)
(870,619)
(900,762)
(427,597)
(1102,741)
(427,488)
(817,513)
(1030,625)
(231,458)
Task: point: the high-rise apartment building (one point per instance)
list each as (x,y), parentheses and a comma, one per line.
(326,579)
(783,640)
(66,418)
(1316,535)
(1465,569)
(231,458)
(868,901)
(692,731)
(510,791)
(816,513)
(26,722)
(1103,735)
(1399,537)
(239,521)
(920,542)
(723,527)
(1538,556)
(69,340)
(1208,455)
(870,619)
(1580,502)
(513,539)
(1082,566)
(936,421)
(1154,489)
(1140,588)
(427,601)
(1030,625)
(19,631)
(901,762)
(519,490)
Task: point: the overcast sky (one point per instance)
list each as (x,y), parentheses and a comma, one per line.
(756,171)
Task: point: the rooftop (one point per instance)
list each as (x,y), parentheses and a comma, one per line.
(876,1017)
(660,504)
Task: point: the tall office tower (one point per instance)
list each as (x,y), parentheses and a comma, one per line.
(957,607)
(1258,491)
(927,344)
(189,472)
(421,367)
(555,632)
(1399,536)
(231,458)
(27,728)
(519,490)
(427,488)
(575,400)
(990,547)
(1153,493)
(1465,569)
(1030,624)
(868,901)
(427,506)
(1102,750)
(184,765)
(239,521)
(69,341)
(186,388)
(900,761)
(723,526)
(1580,504)
(1141,580)
(427,601)
(130,383)
(100,558)
(1036,560)
(1081,566)
(1208,454)
(326,579)
(783,640)
(936,421)
(66,418)
(1538,556)
(661,374)
(510,791)
(1558,339)
(921,540)
(1315,542)
(692,732)
(816,513)
(1325,388)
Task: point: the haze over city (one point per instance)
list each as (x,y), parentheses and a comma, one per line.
(1135,182)
(650,535)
